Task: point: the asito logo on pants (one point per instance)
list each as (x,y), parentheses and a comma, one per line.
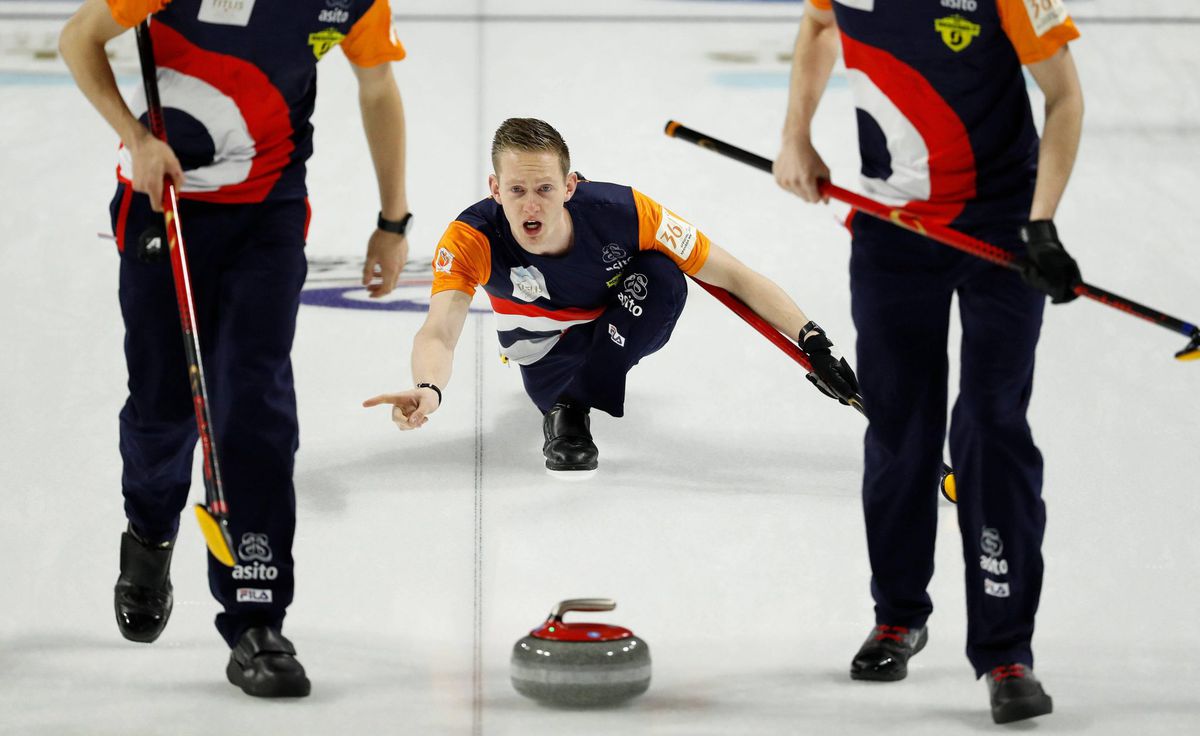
(633,291)
(255,548)
(992,546)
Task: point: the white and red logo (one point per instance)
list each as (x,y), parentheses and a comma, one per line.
(254,595)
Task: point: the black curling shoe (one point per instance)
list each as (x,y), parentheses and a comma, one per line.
(143,594)
(263,664)
(884,656)
(569,445)
(1016,694)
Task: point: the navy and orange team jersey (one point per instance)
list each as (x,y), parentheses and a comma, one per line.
(536,298)
(237,80)
(944,122)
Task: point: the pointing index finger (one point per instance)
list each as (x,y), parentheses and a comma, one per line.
(380,399)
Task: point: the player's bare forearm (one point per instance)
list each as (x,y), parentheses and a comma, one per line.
(434,343)
(1059,81)
(432,359)
(759,293)
(813,56)
(383,123)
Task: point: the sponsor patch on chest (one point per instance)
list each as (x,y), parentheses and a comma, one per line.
(528,283)
(226,12)
(333,15)
(956,31)
(323,41)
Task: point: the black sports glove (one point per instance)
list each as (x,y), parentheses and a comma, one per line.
(830,374)
(1048,267)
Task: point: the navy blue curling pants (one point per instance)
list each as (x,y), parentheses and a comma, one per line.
(247,266)
(901,289)
(590,363)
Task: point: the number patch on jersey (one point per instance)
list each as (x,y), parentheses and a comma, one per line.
(226,12)
(1045,14)
(676,235)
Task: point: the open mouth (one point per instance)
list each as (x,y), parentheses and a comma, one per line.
(531,227)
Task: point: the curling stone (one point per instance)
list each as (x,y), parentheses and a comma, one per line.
(580,664)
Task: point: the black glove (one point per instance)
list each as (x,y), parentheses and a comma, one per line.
(830,374)
(1048,267)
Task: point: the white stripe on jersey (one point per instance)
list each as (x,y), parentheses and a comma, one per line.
(235,148)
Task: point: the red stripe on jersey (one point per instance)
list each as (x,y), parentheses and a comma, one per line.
(261,104)
(951,160)
(570,314)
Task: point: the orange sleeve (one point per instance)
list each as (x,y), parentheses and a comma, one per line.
(131,12)
(821,4)
(463,259)
(666,232)
(372,40)
(1036,28)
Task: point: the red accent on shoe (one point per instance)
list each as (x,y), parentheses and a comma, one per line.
(1004,672)
(890,632)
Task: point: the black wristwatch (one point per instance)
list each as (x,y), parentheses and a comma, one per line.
(394,226)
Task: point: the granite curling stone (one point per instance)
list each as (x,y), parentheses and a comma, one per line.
(580,664)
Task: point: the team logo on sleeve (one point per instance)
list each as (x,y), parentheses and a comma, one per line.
(676,235)
(528,283)
(957,32)
(443,261)
(323,41)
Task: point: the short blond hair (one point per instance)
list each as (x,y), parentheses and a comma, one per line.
(531,136)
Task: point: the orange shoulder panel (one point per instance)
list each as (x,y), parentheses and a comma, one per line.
(666,232)
(463,259)
(821,4)
(371,40)
(131,12)
(1036,28)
